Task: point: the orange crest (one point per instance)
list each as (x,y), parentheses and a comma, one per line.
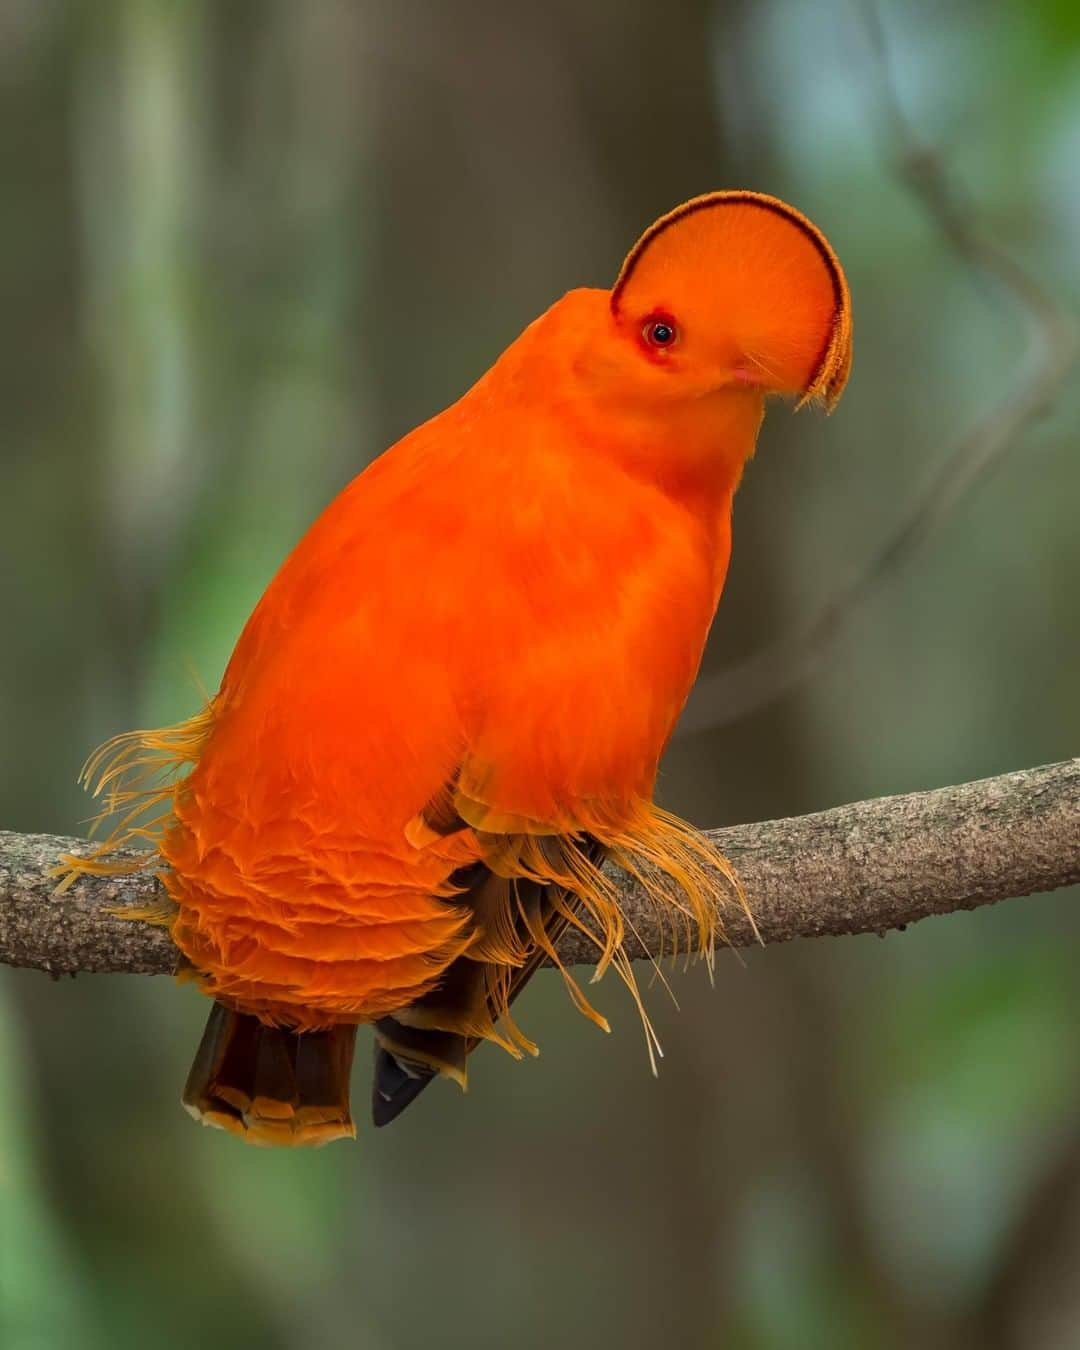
(766,273)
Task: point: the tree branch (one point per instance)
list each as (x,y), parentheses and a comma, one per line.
(863,868)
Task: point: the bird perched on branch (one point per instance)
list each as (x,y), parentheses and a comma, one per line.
(448,708)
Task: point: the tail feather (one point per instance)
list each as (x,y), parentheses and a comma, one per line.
(271,1086)
(407,1060)
(394,1086)
(415,1048)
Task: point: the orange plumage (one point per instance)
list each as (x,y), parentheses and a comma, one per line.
(450,704)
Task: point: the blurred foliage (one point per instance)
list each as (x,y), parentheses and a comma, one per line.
(246,246)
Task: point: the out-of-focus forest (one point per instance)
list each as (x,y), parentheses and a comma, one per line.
(244,247)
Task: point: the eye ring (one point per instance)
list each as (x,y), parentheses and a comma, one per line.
(660,331)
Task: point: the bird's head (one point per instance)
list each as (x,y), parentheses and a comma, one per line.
(733,291)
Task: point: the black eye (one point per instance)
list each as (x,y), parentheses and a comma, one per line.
(660,332)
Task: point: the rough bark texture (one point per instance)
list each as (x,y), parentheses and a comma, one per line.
(862,868)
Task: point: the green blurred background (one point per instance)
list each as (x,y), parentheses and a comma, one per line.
(245,246)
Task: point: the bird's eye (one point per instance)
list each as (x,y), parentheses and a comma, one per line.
(660,332)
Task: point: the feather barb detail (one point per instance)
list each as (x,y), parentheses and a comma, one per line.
(136,777)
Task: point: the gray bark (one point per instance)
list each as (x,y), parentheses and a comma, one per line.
(863,868)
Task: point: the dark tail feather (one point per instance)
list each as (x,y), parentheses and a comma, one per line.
(406,1061)
(394,1086)
(272,1086)
(408,1058)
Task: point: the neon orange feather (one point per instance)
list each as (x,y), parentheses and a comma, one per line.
(471,663)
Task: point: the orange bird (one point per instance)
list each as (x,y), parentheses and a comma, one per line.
(448,708)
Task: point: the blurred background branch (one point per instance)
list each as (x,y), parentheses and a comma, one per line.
(1049,358)
(863,868)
